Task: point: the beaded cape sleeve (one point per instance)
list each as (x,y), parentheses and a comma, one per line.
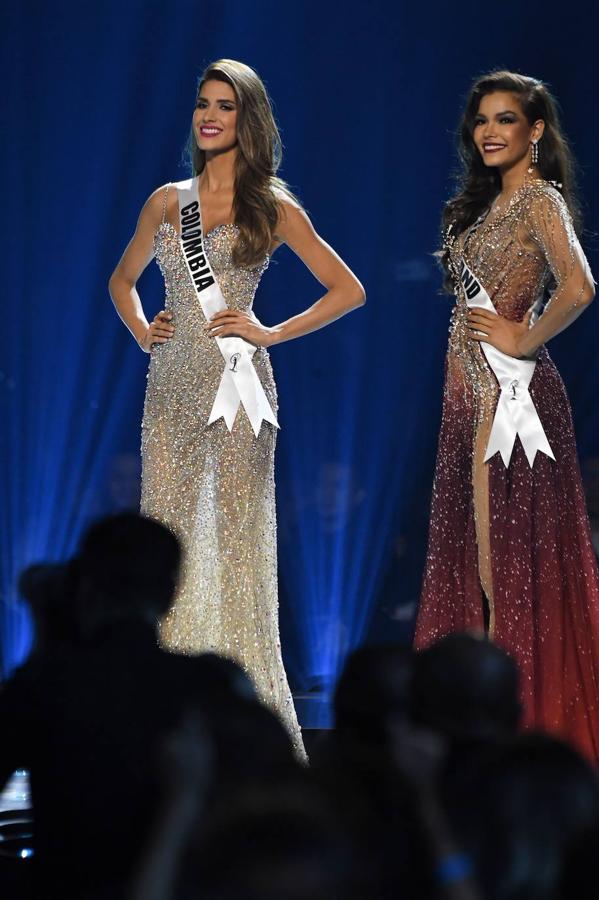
(549,225)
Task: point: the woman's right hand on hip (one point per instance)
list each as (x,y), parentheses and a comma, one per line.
(159,331)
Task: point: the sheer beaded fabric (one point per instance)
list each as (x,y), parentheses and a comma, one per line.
(515,542)
(214,488)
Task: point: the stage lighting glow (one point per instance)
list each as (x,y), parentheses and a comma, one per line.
(96,125)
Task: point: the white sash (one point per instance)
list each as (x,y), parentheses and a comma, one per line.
(515,413)
(239,382)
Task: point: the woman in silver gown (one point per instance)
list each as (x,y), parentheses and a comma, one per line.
(208,452)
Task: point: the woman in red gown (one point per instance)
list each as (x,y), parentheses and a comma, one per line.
(510,551)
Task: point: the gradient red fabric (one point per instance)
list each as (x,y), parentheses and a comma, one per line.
(521,531)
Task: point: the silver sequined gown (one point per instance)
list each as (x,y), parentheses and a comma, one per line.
(214,488)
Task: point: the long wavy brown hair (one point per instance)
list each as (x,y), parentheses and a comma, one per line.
(479,184)
(257,188)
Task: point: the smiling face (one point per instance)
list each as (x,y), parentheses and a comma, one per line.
(502,133)
(215,117)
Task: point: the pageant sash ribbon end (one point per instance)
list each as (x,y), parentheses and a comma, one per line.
(240,384)
(515,415)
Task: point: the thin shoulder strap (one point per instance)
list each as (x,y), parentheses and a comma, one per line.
(164,203)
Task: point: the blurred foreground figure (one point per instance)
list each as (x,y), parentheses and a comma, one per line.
(48,589)
(86,719)
(377,770)
(533,825)
(466,689)
(524,808)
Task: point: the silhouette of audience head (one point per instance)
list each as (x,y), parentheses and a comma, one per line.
(373,689)
(49,591)
(128,567)
(538,825)
(466,688)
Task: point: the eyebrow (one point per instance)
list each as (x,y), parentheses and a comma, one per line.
(505,112)
(220,100)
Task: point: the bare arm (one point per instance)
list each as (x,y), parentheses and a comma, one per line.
(343,290)
(137,255)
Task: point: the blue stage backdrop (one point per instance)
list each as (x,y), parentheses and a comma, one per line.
(98,99)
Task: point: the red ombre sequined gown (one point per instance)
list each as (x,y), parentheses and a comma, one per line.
(518,535)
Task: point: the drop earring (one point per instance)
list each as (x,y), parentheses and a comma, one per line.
(534,156)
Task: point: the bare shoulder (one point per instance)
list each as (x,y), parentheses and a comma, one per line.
(285,200)
(293,219)
(164,197)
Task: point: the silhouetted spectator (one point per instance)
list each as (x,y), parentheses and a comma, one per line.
(49,591)
(357,771)
(535,828)
(229,749)
(374,687)
(86,722)
(466,688)
(275,844)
